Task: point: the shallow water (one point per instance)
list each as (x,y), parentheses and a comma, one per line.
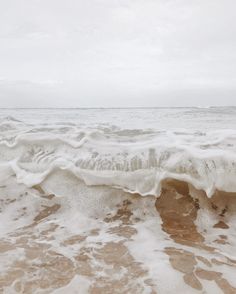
(116,201)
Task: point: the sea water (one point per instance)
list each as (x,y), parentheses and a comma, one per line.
(116,200)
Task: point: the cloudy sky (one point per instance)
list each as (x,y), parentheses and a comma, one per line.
(117,53)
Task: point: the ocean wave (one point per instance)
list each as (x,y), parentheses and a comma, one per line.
(137,161)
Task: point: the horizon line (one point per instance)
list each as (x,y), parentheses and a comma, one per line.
(122,107)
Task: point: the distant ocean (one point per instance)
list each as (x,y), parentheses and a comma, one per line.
(99,199)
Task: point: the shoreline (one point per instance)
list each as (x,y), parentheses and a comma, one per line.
(106,249)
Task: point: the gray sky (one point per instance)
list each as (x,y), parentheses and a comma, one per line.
(117,53)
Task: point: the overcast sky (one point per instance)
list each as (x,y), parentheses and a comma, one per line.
(117,53)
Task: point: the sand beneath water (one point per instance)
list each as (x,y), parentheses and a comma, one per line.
(181,241)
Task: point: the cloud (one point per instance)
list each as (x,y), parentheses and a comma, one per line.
(117,53)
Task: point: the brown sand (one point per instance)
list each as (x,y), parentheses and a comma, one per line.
(178,211)
(109,265)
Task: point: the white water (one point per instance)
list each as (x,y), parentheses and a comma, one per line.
(132,149)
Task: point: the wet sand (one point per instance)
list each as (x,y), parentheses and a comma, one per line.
(46,257)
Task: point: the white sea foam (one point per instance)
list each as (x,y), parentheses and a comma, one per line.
(135,160)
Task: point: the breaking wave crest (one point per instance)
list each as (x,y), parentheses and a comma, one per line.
(137,161)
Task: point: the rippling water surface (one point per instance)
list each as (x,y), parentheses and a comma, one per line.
(115,200)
